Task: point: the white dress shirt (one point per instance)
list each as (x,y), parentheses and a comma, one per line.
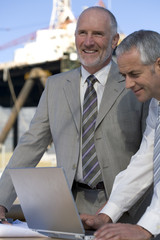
(102,76)
(130,184)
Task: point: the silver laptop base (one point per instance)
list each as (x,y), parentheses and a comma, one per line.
(65,235)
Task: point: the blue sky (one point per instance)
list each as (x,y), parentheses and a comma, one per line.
(21,17)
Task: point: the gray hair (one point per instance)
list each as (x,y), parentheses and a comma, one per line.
(146,42)
(113,22)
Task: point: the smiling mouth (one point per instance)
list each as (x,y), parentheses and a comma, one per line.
(89,51)
(137,91)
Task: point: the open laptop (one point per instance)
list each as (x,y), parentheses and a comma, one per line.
(47,202)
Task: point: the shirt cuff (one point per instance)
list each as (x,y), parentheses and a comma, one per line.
(150,222)
(112,210)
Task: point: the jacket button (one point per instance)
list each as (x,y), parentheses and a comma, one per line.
(74,166)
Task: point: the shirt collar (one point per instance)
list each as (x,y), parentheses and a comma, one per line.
(101,75)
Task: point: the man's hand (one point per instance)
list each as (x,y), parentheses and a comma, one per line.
(94,221)
(122,231)
(3,215)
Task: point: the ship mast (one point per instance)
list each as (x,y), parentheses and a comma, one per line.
(61,12)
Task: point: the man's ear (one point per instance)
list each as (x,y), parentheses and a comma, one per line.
(115,41)
(157,64)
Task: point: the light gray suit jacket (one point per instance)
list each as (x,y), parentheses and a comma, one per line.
(119,127)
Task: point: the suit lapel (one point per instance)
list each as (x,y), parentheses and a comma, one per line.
(72,93)
(114,86)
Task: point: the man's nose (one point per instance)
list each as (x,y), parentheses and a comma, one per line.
(89,40)
(129,82)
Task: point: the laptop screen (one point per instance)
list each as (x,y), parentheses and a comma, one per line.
(46,199)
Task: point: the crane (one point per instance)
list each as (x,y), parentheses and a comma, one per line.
(61,13)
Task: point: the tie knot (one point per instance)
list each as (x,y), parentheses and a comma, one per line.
(91,80)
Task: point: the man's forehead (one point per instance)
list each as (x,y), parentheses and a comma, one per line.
(97,14)
(129,65)
(93,24)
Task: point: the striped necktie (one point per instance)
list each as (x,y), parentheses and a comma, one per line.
(156,155)
(90,165)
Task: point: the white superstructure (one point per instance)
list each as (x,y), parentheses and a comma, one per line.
(50,44)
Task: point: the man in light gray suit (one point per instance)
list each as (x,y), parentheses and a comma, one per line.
(119,124)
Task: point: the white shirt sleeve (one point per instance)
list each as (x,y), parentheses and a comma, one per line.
(130,184)
(151,218)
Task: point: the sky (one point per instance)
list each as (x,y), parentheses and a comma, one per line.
(19,18)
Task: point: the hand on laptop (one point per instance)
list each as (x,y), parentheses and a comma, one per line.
(94,221)
(121,231)
(3,219)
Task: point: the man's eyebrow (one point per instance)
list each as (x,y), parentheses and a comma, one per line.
(131,72)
